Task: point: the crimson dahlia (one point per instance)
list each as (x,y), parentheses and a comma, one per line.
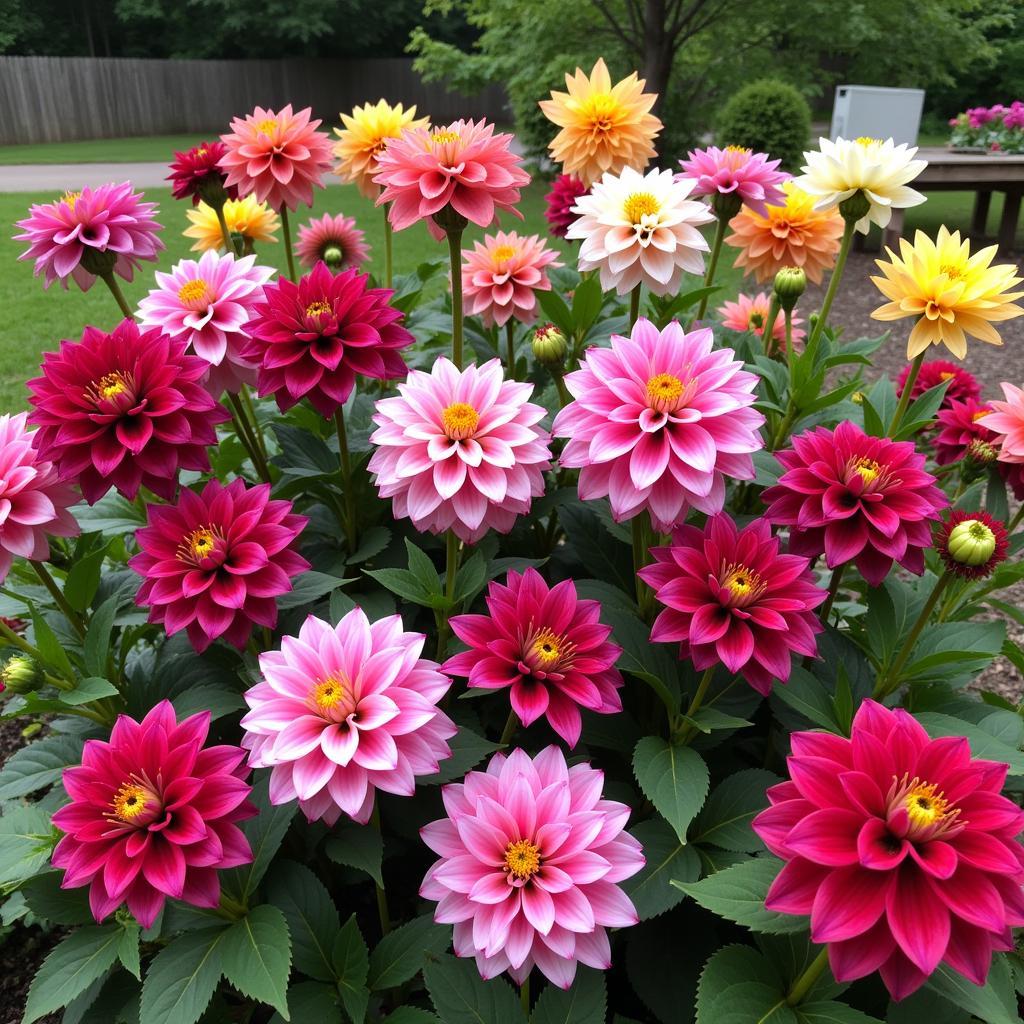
(195,175)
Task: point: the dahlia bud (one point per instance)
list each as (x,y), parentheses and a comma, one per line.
(790,284)
(449,220)
(98,262)
(856,207)
(972,544)
(549,345)
(981,452)
(857,398)
(21,674)
(726,205)
(212,192)
(333,257)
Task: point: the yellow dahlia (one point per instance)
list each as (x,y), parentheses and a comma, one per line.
(793,234)
(605,127)
(366,133)
(952,293)
(254,221)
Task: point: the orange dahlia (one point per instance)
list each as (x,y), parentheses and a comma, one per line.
(605,127)
(794,234)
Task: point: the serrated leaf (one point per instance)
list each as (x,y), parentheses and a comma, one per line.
(89,689)
(583,1003)
(308,588)
(311,1002)
(461,996)
(994,1002)
(828,1011)
(402,952)
(128,949)
(731,807)
(357,846)
(256,956)
(411,1015)
(739,986)
(25,842)
(468,750)
(674,778)
(351,965)
(46,899)
(83,579)
(265,833)
(38,765)
(182,978)
(312,917)
(983,744)
(651,890)
(371,542)
(51,649)
(97,639)
(82,958)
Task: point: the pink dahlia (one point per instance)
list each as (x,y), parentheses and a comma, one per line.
(33,501)
(547,645)
(343,711)
(196,174)
(731,597)
(962,385)
(530,860)
(460,450)
(213,563)
(560,200)
(464,166)
(124,410)
(855,498)
(208,303)
(334,239)
(502,274)
(750,313)
(958,428)
(901,849)
(750,178)
(658,422)
(153,814)
(279,156)
(311,338)
(92,232)
(1006,421)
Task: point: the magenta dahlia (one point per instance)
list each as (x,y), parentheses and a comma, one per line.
(658,422)
(547,645)
(530,860)
(963,386)
(750,178)
(334,239)
(196,175)
(213,563)
(153,815)
(731,597)
(958,428)
(345,710)
(84,234)
(124,410)
(855,498)
(899,847)
(311,338)
(560,200)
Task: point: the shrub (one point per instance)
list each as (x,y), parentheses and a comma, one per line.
(767,116)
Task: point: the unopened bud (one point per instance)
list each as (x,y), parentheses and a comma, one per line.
(21,674)
(857,398)
(790,284)
(971,542)
(334,257)
(726,205)
(981,452)
(212,192)
(856,207)
(549,345)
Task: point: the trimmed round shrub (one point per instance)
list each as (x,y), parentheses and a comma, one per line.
(767,116)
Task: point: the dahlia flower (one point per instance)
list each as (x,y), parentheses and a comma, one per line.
(530,860)
(343,711)
(604,127)
(460,450)
(791,233)
(278,157)
(958,427)
(953,294)
(213,563)
(84,234)
(33,501)
(547,645)
(502,274)
(899,847)
(463,165)
(750,313)
(971,544)
(209,303)
(962,387)
(123,410)
(855,498)
(565,190)
(253,221)
(195,174)
(730,597)
(312,337)
(364,137)
(153,814)
(750,178)
(640,229)
(658,421)
(1006,421)
(335,240)
(878,171)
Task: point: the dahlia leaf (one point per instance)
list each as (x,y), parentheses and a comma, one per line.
(97,639)
(587,300)
(807,695)
(411,1015)
(83,579)
(739,986)
(46,899)
(828,1011)
(651,891)
(921,412)
(994,1002)
(955,649)
(311,1001)
(358,847)
(308,588)
(995,496)
(51,649)
(709,720)
(601,554)
(583,1003)
(128,949)
(256,956)
(407,586)
(557,311)
(351,964)
(265,833)
(26,839)
(311,915)
(731,807)
(83,957)
(38,765)
(182,978)
(89,689)
(112,515)
(674,778)
(403,951)
(468,750)
(461,996)
(983,743)
(371,542)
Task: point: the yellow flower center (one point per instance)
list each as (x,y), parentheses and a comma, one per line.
(460,420)
(522,859)
(925,806)
(946,375)
(199,544)
(194,291)
(600,110)
(639,205)
(868,470)
(867,140)
(503,253)
(979,414)
(267,126)
(110,385)
(549,649)
(316,309)
(953,271)
(737,149)
(201,151)
(663,389)
(130,801)
(327,693)
(71,198)
(741,582)
(443,138)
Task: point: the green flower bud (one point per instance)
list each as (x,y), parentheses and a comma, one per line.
(449,220)
(21,674)
(856,207)
(97,262)
(549,345)
(971,542)
(212,192)
(790,284)
(726,205)
(333,257)
(981,452)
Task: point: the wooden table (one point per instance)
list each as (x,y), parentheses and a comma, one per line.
(981,173)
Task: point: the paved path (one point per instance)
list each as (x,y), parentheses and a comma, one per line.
(60,177)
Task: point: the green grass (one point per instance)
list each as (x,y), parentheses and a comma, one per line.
(142,149)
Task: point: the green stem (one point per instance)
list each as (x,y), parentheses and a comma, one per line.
(768,331)
(231,907)
(689,731)
(1015,521)
(62,602)
(908,387)
(115,289)
(889,680)
(833,590)
(511,725)
(524,996)
(634,305)
(20,642)
(388,257)
(806,981)
(229,243)
(382,897)
(563,392)
(248,439)
(833,285)
(451,572)
(784,425)
(709,276)
(287,232)
(644,594)
(510,344)
(789,335)
(250,410)
(455,259)
(346,479)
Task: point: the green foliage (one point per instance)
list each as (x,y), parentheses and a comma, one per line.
(768,116)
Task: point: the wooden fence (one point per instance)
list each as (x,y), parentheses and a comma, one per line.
(58,99)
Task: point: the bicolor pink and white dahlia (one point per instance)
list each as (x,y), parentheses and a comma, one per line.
(502,274)
(343,711)
(751,178)
(750,313)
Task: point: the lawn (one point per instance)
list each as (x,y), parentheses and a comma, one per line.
(142,149)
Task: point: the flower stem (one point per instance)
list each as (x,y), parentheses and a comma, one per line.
(511,725)
(524,996)
(455,258)
(246,436)
(889,680)
(689,731)
(563,392)
(510,344)
(382,896)
(806,981)
(788,314)
(20,642)
(644,594)
(833,285)
(1016,520)
(250,409)
(634,305)
(287,232)
(768,331)
(901,408)
(785,425)
(62,602)
(451,572)
(833,590)
(388,257)
(229,244)
(709,276)
(115,289)
(346,479)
